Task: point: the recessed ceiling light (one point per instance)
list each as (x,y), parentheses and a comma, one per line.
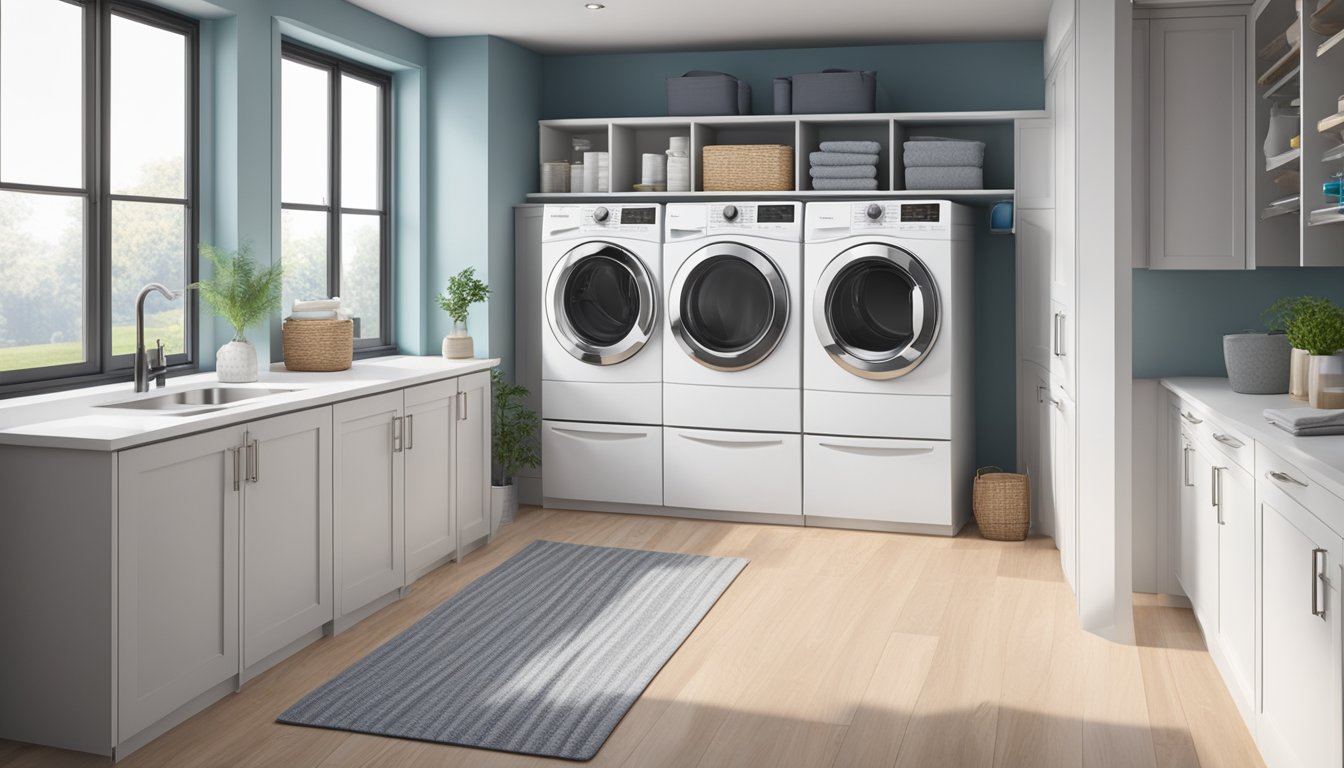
(594,6)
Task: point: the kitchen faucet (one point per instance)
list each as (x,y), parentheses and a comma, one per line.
(153,365)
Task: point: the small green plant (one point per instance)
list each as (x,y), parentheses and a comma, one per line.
(1313,324)
(515,430)
(464,289)
(239,291)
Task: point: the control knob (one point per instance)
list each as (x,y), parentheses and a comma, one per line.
(601,214)
(875,211)
(729,212)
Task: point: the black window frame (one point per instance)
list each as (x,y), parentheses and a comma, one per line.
(337,67)
(100,364)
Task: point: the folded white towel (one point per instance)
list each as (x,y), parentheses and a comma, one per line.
(315,315)
(1294,419)
(318,305)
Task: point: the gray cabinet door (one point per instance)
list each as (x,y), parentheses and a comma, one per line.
(367,494)
(431,525)
(1197,143)
(473,459)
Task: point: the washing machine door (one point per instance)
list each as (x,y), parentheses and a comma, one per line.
(600,303)
(728,306)
(877,311)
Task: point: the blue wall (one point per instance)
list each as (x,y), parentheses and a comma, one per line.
(1180,316)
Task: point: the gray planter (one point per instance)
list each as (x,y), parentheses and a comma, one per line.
(1258,363)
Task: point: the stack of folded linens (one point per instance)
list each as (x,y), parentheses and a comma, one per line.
(1307,422)
(319,309)
(937,163)
(845,165)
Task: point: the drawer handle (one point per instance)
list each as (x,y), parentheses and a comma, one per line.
(1284,477)
(237,467)
(1216,492)
(731,443)
(1228,440)
(1190,417)
(1317,578)
(1187,450)
(865,450)
(410,432)
(256,461)
(398,434)
(1059,335)
(583,434)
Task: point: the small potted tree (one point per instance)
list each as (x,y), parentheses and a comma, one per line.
(1317,326)
(243,294)
(514,442)
(464,289)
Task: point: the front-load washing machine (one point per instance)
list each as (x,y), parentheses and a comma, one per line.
(888,396)
(601,355)
(732,367)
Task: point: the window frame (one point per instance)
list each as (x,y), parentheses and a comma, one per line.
(338,67)
(100,364)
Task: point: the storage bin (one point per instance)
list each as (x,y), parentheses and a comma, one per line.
(831,91)
(1258,363)
(699,92)
(747,168)
(318,345)
(1002,504)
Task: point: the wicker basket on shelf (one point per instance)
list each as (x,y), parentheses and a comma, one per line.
(1002,504)
(319,345)
(747,168)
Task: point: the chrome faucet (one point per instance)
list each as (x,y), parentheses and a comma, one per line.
(153,365)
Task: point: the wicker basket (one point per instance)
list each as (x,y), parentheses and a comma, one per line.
(748,168)
(1002,503)
(319,345)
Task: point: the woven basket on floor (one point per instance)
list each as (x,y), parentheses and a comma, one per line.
(318,345)
(747,168)
(1002,504)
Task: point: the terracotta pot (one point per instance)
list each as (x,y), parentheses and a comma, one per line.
(1325,381)
(1298,371)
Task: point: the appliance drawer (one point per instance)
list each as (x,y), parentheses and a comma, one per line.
(889,481)
(602,462)
(732,471)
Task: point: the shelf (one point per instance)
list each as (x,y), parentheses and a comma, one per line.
(1284,65)
(1331,123)
(1333,154)
(1282,207)
(1322,216)
(1334,40)
(1283,159)
(1287,87)
(966,196)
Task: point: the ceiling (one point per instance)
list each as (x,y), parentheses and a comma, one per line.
(565,26)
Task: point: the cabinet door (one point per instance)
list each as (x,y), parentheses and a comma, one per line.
(1184,510)
(1063,87)
(1035,243)
(473,459)
(1199,540)
(1235,502)
(1034,447)
(1299,722)
(367,495)
(1064,463)
(286,531)
(177,574)
(1197,143)
(1034,170)
(431,528)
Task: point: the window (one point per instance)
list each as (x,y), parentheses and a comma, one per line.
(335,121)
(97,184)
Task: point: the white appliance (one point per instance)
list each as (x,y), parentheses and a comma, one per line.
(732,405)
(601,354)
(888,400)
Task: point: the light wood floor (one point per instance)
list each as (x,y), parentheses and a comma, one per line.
(833,648)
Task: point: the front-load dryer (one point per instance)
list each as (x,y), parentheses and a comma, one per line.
(602,354)
(732,366)
(888,395)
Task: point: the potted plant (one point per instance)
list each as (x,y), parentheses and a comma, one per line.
(514,442)
(464,289)
(1280,316)
(243,294)
(1317,326)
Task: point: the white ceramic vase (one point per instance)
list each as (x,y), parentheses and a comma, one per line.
(503,503)
(236,362)
(1300,366)
(1325,381)
(458,345)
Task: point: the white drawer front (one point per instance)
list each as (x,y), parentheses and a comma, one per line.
(732,471)
(602,462)
(892,481)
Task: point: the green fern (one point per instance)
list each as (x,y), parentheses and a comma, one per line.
(239,291)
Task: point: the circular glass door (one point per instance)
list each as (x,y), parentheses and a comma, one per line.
(728,306)
(600,303)
(877,311)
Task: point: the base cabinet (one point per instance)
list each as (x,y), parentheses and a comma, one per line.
(368,486)
(473,459)
(431,435)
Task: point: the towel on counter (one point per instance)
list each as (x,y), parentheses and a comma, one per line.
(944,178)
(843,184)
(934,151)
(842,158)
(852,147)
(335,315)
(843,171)
(318,305)
(1305,422)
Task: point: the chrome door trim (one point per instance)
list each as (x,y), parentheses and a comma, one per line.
(926,323)
(759,348)
(558,319)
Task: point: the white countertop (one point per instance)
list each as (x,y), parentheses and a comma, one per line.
(1320,457)
(73,419)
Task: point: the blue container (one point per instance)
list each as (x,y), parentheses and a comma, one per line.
(1001,218)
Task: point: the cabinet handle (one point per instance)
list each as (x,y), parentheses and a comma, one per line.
(254,461)
(1187,450)
(1040,395)
(1284,477)
(1317,577)
(410,432)
(237,467)
(461,406)
(1217,492)
(1059,334)
(1228,440)
(396,434)
(1190,417)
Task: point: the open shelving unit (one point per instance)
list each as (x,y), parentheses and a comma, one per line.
(628,138)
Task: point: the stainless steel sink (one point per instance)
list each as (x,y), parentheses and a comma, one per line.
(194,401)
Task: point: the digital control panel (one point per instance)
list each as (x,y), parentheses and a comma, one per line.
(920,212)
(775,214)
(639,216)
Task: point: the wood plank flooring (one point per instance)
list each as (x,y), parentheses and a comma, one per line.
(833,648)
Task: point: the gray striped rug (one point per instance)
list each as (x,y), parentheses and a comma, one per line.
(543,655)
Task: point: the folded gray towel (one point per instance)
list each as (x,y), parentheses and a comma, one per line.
(1299,420)
(852,147)
(843,184)
(842,158)
(933,152)
(944,178)
(843,171)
